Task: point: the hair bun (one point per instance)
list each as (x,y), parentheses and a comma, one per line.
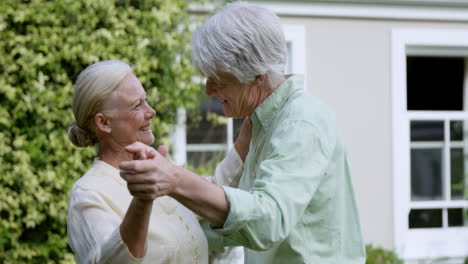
(80,137)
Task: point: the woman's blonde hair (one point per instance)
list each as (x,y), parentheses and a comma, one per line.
(93,87)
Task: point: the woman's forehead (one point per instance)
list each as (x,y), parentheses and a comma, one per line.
(130,89)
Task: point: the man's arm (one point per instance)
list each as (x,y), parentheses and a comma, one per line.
(157,177)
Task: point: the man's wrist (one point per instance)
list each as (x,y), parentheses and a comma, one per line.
(178,188)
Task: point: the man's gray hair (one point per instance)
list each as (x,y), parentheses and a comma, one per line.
(244,40)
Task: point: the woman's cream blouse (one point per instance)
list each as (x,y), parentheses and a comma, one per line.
(98,203)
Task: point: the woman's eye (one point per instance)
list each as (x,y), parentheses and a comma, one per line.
(140,103)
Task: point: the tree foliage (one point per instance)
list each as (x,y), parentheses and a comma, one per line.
(44,44)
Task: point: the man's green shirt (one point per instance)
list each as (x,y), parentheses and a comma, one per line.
(295,201)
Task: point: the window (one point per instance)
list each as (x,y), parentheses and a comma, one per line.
(430,140)
(201,144)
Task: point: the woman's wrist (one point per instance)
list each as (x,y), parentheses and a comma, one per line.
(143,203)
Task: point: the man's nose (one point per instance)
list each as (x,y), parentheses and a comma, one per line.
(210,88)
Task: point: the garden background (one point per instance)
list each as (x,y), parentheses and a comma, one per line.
(43,47)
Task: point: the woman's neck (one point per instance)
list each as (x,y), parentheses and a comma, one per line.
(113,154)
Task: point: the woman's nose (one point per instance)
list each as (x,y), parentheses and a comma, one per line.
(150,113)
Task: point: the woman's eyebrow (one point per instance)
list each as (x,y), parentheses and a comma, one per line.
(135,101)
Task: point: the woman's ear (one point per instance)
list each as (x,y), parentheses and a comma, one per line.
(102,123)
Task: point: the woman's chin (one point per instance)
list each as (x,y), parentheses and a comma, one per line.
(146,137)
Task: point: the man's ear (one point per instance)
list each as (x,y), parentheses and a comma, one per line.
(102,123)
(259,80)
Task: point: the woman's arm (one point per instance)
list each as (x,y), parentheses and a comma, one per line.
(134,227)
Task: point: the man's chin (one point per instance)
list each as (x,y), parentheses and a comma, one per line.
(228,112)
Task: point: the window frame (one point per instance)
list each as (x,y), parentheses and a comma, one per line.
(422,243)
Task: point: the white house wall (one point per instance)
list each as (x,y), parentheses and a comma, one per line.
(348,64)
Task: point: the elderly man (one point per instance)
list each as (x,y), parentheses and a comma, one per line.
(294,202)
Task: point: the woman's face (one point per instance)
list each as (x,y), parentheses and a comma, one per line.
(239,99)
(130,120)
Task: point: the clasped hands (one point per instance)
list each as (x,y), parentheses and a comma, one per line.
(150,174)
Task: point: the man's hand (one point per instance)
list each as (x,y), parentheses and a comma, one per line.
(143,151)
(150,175)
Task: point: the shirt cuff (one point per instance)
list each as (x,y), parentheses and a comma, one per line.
(241,210)
(228,172)
(215,241)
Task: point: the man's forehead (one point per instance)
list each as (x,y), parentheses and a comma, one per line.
(225,76)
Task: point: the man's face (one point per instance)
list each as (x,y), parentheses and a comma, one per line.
(239,99)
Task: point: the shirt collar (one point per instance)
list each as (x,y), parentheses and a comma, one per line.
(266,111)
(108,170)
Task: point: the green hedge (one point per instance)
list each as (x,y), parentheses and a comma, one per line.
(43,46)
(377,255)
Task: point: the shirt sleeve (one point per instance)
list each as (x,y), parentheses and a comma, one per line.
(285,182)
(229,170)
(94,231)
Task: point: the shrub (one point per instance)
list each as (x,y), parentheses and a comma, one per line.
(376,255)
(44,45)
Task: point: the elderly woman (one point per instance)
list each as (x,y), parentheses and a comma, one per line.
(105,223)
(294,202)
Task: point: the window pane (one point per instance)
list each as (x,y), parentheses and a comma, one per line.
(456,130)
(211,128)
(427,130)
(205,131)
(458,173)
(425,218)
(455,217)
(426,174)
(204,163)
(435,83)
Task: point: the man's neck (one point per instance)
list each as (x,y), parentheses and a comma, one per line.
(267,90)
